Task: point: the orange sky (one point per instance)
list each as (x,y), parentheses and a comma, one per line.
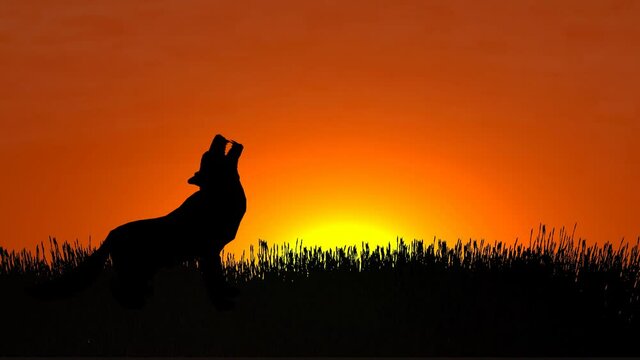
(360,119)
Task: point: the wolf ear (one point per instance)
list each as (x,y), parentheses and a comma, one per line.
(218,145)
(210,159)
(234,153)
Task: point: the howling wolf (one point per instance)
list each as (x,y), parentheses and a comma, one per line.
(197,230)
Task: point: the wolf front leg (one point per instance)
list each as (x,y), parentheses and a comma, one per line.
(211,268)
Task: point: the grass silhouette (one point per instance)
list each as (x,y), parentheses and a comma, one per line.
(553,296)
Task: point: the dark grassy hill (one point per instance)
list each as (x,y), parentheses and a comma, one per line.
(550,297)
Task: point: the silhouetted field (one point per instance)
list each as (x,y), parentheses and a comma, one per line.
(552,296)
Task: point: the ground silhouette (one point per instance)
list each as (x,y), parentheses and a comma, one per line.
(197,230)
(550,298)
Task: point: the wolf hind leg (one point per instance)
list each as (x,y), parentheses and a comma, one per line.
(131,286)
(133,266)
(131,293)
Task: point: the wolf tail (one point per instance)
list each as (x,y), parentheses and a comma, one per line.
(74,280)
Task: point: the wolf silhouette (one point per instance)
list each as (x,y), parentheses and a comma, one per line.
(197,230)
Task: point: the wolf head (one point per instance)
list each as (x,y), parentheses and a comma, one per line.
(216,165)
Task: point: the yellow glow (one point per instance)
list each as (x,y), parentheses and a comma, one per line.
(345,233)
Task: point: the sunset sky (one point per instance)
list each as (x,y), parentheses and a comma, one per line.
(361,120)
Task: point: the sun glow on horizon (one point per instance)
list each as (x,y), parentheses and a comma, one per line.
(346,232)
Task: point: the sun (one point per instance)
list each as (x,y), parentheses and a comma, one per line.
(346,232)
